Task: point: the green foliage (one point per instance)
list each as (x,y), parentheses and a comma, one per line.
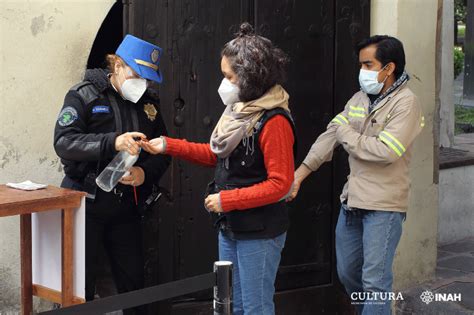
(458,61)
(464,114)
(461,31)
(459,11)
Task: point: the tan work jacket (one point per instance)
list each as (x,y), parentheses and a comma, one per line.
(379,146)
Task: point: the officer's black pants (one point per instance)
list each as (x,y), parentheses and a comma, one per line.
(113,223)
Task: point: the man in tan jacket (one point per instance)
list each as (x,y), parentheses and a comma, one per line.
(377,128)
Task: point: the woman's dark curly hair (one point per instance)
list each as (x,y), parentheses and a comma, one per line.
(258,64)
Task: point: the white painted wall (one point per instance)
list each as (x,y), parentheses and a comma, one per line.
(44,46)
(414,23)
(446,74)
(456,204)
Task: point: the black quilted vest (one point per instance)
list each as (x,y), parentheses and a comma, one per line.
(245,167)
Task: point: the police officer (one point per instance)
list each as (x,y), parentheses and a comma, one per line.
(106,113)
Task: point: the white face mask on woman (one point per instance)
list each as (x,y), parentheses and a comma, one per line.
(133,88)
(229,92)
(369,82)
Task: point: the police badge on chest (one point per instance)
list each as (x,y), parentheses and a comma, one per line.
(150,111)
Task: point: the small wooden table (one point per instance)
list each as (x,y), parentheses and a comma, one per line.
(24,203)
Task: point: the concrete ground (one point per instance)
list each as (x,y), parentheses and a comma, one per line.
(454,275)
(464,141)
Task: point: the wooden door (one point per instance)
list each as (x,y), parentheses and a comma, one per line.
(319,37)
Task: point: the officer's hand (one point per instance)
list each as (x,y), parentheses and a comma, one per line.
(294,191)
(154,146)
(212,203)
(126,142)
(135,178)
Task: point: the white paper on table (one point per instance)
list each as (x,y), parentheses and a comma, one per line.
(46,249)
(27,185)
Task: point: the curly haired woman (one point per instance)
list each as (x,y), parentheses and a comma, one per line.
(251,149)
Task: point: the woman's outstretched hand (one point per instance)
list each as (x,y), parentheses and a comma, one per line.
(154,146)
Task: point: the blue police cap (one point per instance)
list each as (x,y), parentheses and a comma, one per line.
(142,56)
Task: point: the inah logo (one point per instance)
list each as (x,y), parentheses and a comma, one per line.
(427,297)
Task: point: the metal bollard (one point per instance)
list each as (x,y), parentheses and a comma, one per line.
(223,288)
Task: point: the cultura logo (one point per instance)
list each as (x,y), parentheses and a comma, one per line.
(367,297)
(427,297)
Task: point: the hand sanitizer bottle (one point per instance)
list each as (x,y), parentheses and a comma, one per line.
(116,169)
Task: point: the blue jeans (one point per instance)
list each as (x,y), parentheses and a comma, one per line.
(255,266)
(365,247)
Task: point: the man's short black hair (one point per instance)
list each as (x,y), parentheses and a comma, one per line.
(389,49)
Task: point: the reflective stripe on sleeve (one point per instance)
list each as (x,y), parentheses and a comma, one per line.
(356,111)
(340,119)
(392,142)
(356,115)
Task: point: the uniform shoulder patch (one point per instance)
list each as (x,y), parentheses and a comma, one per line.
(67,116)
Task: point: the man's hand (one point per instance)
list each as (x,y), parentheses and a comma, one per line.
(154,146)
(212,203)
(301,173)
(135,178)
(126,142)
(294,191)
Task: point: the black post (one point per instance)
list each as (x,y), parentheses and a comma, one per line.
(223,288)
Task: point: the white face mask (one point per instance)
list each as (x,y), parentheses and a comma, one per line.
(369,83)
(229,92)
(133,89)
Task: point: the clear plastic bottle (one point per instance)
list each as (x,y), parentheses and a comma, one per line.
(116,169)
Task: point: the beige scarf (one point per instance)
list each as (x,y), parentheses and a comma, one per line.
(239,119)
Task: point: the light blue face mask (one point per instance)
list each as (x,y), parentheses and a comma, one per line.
(369,83)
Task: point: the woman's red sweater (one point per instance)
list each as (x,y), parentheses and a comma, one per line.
(276,142)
